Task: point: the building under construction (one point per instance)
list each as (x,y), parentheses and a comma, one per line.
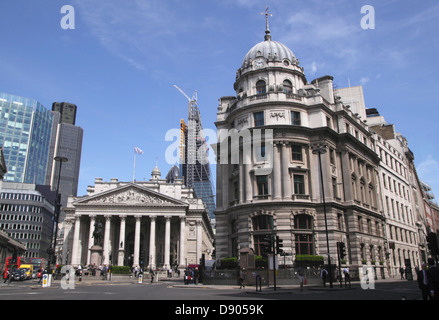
(194,162)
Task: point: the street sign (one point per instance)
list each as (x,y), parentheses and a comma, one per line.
(47,280)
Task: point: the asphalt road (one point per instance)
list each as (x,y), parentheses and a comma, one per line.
(173,300)
(174,290)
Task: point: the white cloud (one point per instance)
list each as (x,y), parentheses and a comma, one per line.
(428,172)
(135,31)
(313,67)
(364,80)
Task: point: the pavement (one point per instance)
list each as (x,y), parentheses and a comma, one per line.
(178,283)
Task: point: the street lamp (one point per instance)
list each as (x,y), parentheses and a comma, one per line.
(56,214)
(321,149)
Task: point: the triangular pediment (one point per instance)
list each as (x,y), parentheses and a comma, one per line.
(129,195)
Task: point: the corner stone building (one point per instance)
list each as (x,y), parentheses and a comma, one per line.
(152,223)
(281,194)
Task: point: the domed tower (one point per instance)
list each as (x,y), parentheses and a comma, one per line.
(271,136)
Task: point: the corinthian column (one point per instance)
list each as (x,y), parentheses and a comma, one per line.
(137,241)
(76,259)
(121,251)
(106,252)
(152,244)
(167,241)
(90,236)
(277,189)
(182,242)
(199,239)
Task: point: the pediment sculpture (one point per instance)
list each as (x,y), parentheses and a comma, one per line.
(128,197)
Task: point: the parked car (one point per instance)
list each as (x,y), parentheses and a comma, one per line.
(19,275)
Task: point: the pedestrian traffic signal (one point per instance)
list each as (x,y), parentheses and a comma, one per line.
(342,249)
(279,245)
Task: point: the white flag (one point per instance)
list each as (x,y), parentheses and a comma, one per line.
(138,150)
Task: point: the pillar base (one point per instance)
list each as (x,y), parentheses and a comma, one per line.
(96,255)
(120,257)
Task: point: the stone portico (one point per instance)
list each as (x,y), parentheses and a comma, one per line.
(153,224)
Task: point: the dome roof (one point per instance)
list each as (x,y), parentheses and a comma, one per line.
(270,50)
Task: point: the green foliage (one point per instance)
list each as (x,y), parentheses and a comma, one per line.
(260,262)
(120,270)
(309,260)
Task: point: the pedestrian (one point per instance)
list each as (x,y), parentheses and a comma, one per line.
(401,271)
(196,275)
(433,279)
(301,276)
(152,275)
(135,271)
(423,282)
(241,278)
(323,275)
(8,274)
(347,277)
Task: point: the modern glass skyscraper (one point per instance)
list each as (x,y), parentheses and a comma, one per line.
(25,133)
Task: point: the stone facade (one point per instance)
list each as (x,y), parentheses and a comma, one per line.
(269,178)
(152,224)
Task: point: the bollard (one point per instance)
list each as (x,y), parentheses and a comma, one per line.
(258,281)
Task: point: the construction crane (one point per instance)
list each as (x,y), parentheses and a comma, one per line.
(192,102)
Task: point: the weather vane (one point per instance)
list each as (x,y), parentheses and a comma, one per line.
(267,28)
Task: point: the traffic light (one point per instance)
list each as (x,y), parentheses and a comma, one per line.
(267,245)
(342,249)
(432,244)
(279,245)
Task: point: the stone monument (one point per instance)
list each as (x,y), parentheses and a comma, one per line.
(96,251)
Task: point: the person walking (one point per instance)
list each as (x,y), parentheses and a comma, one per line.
(323,275)
(152,275)
(241,278)
(433,279)
(401,271)
(8,275)
(301,276)
(347,277)
(423,282)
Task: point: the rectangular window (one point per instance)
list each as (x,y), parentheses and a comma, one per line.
(295,118)
(296,152)
(259,118)
(332,156)
(260,153)
(334,187)
(304,244)
(299,184)
(262,182)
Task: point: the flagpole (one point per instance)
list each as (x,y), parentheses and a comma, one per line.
(134,167)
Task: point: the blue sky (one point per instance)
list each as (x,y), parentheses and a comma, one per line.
(122,59)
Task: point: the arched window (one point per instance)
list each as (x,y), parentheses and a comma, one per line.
(288,86)
(261,87)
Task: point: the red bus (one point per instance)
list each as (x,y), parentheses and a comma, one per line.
(39,265)
(11,266)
